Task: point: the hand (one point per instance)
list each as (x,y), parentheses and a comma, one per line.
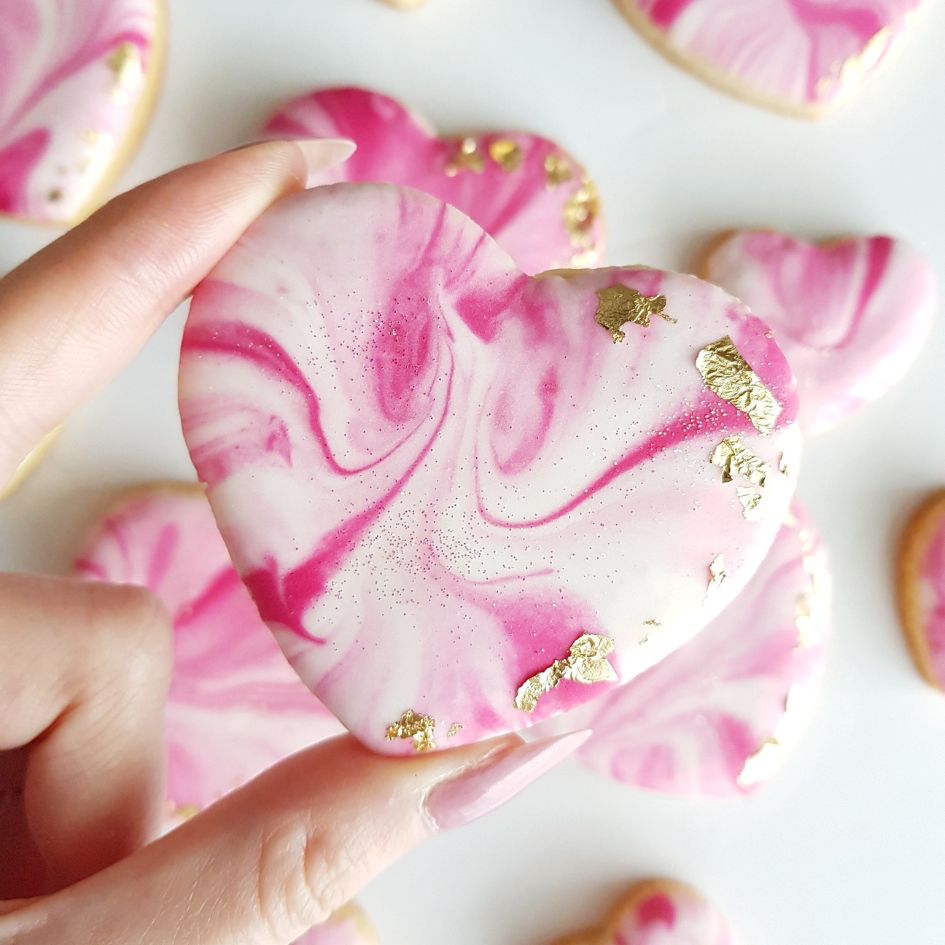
(84,667)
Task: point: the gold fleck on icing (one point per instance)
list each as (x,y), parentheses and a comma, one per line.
(717,573)
(182,811)
(651,623)
(100,140)
(557,170)
(507,154)
(125,65)
(729,376)
(783,467)
(54,195)
(454,730)
(466,158)
(803,611)
(421,729)
(737,460)
(580,214)
(762,764)
(585,663)
(751,503)
(620,304)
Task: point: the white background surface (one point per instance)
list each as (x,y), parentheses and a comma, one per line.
(846,847)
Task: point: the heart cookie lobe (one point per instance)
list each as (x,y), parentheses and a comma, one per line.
(921,588)
(235,706)
(801,57)
(442,479)
(716,717)
(659,912)
(851,315)
(527,192)
(77,86)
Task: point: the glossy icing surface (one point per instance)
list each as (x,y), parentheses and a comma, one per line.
(660,912)
(797,55)
(443,481)
(851,315)
(235,706)
(526,191)
(715,717)
(75,79)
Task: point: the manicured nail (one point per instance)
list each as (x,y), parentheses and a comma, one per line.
(323,153)
(476,791)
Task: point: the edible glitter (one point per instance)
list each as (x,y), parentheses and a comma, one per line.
(729,376)
(585,663)
(421,729)
(620,304)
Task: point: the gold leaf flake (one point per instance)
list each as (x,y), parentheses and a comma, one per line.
(751,503)
(585,663)
(184,811)
(454,730)
(783,467)
(580,214)
(729,376)
(803,610)
(762,764)
(557,170)
(54,195)
(620,304)
(507,154)
(466,158)
(737,460)
(421,729)
(717,573)
(125,65)
(651,623)
(99,140)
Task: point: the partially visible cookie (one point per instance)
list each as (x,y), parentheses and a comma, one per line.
(659,912)
(799,58)
(921,588)
(77,84)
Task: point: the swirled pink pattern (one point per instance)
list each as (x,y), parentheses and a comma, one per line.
(235,707)
(435,473)
(851,315)
(74,80)
(527,192)
(661,912)
(715,717)
(799,55)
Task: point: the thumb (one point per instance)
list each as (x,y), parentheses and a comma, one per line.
(279,855)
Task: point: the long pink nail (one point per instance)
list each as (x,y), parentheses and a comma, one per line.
(323,153)
(496,780)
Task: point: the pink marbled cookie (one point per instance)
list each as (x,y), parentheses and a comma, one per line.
(851,314)
(796,56)
(921,588)
(715,717)
(235,707)
(659,912)
(527,192)
(455,498)
(77,81)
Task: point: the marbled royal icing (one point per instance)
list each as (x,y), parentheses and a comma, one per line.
(660,912)
(850,315)
(435,473)
(75,81)
(235,707)
(801,56)
(715,717)
(524,190)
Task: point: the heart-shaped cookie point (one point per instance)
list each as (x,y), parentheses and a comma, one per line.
(456,500)
(716,717)
(851,315)
(659,912)
(527,192)
(800,57)
(921,588)
(234,706)
(76,89)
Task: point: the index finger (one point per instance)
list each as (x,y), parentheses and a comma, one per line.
(74,315)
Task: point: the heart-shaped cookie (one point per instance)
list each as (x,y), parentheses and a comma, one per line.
(526,191)
(797,56)
(77,82)
(659,912)
(234,707)
(851,315)
(715,717)
(921,588)
(460,496)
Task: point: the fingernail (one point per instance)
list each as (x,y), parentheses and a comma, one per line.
(497,779)
(323,153)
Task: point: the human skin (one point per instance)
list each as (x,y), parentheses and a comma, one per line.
(82,692)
